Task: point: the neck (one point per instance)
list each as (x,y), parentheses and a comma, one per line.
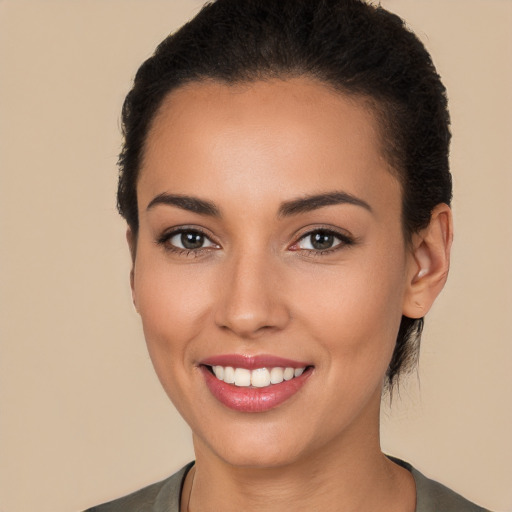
(350,474)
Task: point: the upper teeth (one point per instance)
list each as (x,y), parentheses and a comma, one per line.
(259,378)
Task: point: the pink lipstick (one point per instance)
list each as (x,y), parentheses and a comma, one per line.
(254,383)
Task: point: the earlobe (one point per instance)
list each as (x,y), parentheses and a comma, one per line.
(430,262)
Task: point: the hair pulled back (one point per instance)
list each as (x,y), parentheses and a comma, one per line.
(349,45)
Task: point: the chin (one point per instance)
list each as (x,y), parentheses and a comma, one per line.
(257,458)
(260,447)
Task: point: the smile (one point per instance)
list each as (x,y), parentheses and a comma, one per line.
(254,383)
(257,378)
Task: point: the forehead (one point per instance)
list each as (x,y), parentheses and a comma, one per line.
(296,136)
(293,103)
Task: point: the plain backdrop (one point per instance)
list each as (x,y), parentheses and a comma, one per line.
(83,418)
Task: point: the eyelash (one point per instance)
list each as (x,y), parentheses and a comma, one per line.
(344,241)
(165,238)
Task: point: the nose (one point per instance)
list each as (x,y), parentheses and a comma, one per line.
(252,300)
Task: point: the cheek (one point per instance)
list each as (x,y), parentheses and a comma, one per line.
(354,310)
(173,305)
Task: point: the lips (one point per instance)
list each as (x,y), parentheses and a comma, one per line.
(254,383)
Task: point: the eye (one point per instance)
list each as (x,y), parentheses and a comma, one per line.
(187,240)
(321,240)
(190,240)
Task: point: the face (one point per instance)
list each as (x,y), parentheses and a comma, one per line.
(270,253)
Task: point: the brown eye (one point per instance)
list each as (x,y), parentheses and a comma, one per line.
(322,240)
(190,240)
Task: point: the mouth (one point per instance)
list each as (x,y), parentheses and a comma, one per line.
(254,384)
(257,378)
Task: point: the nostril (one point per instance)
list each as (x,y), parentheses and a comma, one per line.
(250,301)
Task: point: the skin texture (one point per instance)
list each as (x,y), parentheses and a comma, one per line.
(258,287)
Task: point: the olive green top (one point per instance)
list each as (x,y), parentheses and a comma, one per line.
(164,496)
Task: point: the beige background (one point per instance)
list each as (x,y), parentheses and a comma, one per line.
(83,418)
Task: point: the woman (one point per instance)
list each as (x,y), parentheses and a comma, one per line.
(286,187)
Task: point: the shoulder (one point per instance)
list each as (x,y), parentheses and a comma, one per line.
(431,496)
(162,496)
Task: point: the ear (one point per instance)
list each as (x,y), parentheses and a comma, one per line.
(429,263)
(132,245)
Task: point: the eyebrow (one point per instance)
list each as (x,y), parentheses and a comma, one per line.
(314,202)
(287,209)
(189,203)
